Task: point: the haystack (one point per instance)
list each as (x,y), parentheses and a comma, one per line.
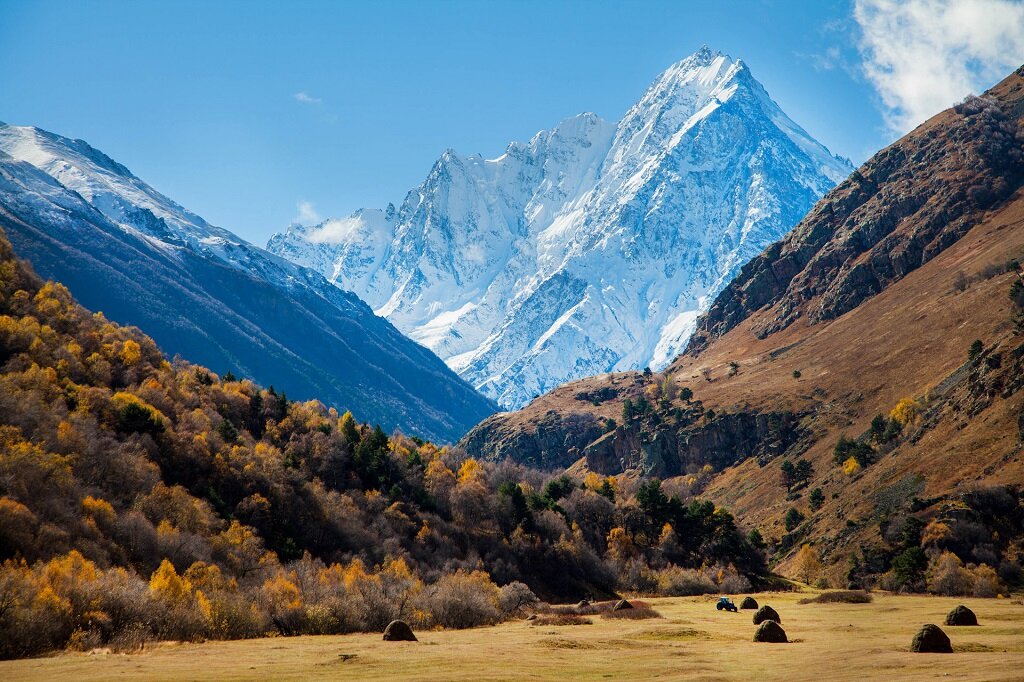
(961,615)
(770,631)
(399,631)
(766,613)
(930,639)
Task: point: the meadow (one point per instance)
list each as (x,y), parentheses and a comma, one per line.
(691,640)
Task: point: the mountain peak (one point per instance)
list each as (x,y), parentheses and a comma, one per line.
(594,246)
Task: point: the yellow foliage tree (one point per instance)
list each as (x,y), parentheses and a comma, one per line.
(168,586)
(438,478)
(131,353)
(620,545)
(808,564)
(99,510)
(906,411)
(851,467)
(282,591)
(471,472)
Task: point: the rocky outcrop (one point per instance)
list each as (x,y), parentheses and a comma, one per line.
(555,441)
(663,443)
(669,449)
(899,210)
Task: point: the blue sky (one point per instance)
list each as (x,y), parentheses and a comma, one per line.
(241,110)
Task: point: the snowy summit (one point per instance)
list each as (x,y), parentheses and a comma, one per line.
(593,247)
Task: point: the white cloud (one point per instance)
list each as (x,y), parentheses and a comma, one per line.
(307,214)
(924,55)
(306,98)
(337,231)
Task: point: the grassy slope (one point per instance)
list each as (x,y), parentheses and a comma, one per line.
(832,641)
(900,343)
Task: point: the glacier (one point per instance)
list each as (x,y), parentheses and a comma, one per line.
(591,248)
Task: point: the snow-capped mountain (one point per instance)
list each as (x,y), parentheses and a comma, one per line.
(206,294)
(591,248)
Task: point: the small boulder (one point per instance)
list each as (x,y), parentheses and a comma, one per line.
(622,605)
(930,639)
(748,603)
(399,631)
(770,631)
(766,613)
(961,615)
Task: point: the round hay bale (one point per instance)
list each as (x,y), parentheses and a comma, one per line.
(622,605)
(748,603)
(961,615)
(930,639)
(399,631)
(770,631)
(766,613)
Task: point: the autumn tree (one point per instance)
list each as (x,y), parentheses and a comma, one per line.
(807,564)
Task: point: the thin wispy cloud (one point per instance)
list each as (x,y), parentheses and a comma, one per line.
(307,214)
(925,55)
(828,60)
(306,98)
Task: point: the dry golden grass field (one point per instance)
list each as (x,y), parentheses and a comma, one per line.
(691,641)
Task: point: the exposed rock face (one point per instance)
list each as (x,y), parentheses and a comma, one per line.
(899,210)
(399,631)
(766,613)
(661,444)
(555,441)
(961,615)
(770,631)
(748,603)
(930,639)
(666,449)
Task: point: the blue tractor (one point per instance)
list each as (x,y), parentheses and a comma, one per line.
(725,604)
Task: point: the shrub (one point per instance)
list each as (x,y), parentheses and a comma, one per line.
(975,350)
(462,600)
(816,499)
(515,597)
(847,448)
(947,576)
(986,582)
(793,519)
(685,582)
(839,597)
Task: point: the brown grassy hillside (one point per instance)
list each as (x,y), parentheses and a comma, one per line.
(875,297)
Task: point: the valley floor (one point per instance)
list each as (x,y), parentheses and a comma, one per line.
(691,641)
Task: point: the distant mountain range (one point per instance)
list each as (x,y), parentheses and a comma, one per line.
(591,248)
(202,292)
